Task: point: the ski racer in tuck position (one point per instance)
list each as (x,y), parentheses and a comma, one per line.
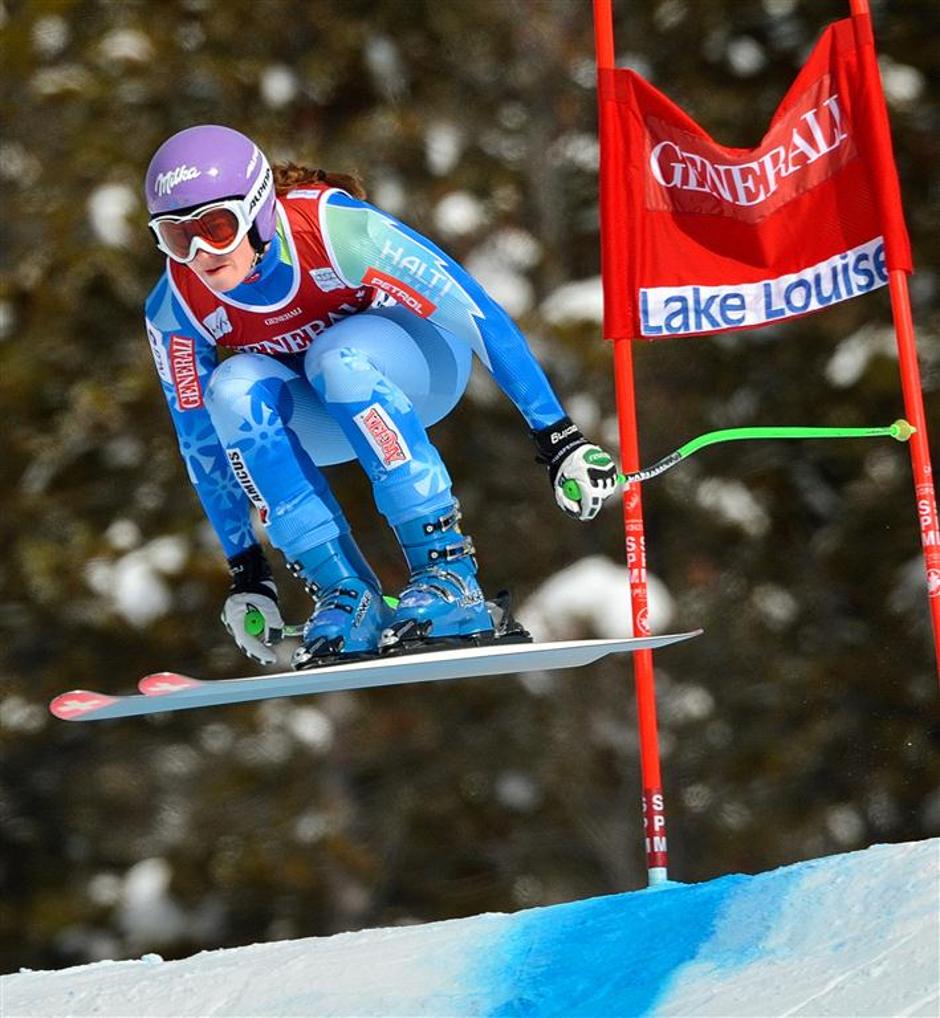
(349,334)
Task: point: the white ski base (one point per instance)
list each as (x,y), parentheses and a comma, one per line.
(180,692)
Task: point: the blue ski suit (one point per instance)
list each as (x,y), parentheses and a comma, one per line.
(352,335)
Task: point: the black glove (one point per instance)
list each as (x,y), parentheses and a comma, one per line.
(582,475)
(251,612)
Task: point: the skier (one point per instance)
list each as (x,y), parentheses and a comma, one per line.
(348,335)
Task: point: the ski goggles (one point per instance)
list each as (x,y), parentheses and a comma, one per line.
(217,228)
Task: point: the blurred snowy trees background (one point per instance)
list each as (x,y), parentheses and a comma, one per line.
(800,724)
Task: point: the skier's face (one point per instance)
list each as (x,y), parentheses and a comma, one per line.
(223,272)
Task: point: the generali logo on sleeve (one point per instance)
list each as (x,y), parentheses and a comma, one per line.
(185,373)
(688,173)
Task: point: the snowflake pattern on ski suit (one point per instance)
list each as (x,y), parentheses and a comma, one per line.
(360,381)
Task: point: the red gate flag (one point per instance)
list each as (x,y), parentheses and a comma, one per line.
(702,238)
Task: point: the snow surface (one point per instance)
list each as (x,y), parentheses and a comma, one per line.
(855,935)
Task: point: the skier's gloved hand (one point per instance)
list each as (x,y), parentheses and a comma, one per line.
(250,612)
(570,457)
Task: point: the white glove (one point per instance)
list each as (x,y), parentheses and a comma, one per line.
(585,478)
(582,475)
(251,613)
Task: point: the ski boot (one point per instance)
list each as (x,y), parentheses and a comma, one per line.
(349,612)
(443,605)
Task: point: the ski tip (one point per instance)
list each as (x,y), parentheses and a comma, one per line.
(76,704)
(162,683)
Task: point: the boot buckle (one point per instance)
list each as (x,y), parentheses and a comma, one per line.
(313,589)
(444,523)
(452,552)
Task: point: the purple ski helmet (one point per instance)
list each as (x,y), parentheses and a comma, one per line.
(209,163)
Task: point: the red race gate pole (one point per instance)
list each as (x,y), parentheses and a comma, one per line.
(654,814)
(924,493)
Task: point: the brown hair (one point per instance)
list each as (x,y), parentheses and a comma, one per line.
(289,175)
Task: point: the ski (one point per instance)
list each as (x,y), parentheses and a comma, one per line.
(170,691)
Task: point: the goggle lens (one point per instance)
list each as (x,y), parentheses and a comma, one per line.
(218,227)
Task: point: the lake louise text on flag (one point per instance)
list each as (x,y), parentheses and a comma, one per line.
(703,238)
